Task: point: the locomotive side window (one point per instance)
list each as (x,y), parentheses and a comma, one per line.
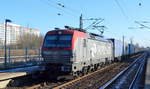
(84,42)
(56,40)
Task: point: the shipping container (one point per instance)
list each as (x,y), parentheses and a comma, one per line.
(117,48)
(130,49)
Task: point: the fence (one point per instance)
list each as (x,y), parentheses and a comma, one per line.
(20,57)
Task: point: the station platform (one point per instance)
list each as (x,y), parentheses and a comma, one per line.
(147,75)
(12,73)
(7,75)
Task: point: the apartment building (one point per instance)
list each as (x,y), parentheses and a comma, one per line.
(14,32)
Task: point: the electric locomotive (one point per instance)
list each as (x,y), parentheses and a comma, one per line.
(75,52)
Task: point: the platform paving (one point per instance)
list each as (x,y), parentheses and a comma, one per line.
(147,75)
(7,75)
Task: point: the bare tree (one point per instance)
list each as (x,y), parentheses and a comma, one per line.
(30,41)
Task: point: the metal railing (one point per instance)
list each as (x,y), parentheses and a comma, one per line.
(20,57)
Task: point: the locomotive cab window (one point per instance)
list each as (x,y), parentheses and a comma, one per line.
(56,40)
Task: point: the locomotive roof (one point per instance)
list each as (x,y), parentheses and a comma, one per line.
(89,35)
(99,38)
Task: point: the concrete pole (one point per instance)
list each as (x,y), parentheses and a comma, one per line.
(5,43)
(123,52)
(5,49)
(81,22)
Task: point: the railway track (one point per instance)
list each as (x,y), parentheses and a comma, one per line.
(91,81)
(95,79)
(80,83)
(130,78)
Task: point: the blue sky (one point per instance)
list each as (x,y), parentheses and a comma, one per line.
(43,15)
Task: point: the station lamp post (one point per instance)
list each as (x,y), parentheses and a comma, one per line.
(5,43)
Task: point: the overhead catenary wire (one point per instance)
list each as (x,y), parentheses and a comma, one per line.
(64,8)
(96,22)
(122,10)
(142,25)
(126,16)
(58,8)
(43,1)
(64,11)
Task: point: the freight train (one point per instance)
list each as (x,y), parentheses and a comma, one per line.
(75,52)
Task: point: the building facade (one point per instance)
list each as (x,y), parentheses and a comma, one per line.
(14,32)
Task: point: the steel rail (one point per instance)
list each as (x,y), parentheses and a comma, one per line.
(136,75)
(65,85)
(120,74)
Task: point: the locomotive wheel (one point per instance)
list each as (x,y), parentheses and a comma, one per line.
(96,67)
(79,73)
(75,75)
(84,71)
(99,66)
